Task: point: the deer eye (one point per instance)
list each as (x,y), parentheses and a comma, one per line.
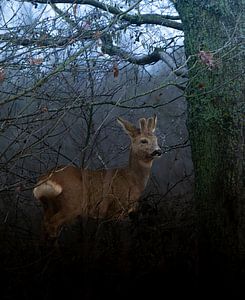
(144,141)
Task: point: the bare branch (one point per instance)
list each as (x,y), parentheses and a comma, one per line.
(154,19)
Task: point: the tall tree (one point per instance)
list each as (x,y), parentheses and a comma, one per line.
(214,37)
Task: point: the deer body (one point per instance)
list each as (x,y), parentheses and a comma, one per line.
(68,192)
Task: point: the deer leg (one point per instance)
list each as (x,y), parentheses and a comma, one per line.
(50,210)
(54,224)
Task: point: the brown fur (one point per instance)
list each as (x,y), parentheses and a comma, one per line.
(68,192)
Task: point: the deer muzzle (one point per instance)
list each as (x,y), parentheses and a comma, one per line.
(157,152)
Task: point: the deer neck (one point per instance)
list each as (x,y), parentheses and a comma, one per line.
(139,169)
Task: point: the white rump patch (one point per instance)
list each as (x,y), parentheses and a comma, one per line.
(48,189)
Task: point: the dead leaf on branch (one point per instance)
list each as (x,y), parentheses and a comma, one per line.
(43,109)
(2,74)
(207,59)
(97,35)
(201,85)
(35,61)
(18,189)
(75,10)
(115,71)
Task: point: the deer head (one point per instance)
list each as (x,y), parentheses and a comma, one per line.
(144,144)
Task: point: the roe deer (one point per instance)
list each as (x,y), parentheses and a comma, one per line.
(68,192)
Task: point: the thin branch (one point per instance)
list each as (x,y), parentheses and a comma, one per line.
(154,19)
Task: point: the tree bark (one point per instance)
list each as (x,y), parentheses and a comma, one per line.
(214,43)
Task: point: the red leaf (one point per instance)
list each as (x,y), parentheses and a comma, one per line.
(44,109)
(201,85)
(75,9)
(207,59)
(2,74)
(115,71)
(35,61)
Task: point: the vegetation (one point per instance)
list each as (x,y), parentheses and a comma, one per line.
(67,70)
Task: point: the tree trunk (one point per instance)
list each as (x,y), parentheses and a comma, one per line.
(215,94)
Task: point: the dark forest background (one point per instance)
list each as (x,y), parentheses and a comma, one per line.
(68,69)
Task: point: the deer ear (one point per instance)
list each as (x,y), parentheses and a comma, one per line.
(143,124)
(155,122)
(152,123)
(128,127)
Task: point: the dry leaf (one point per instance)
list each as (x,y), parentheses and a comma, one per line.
(97,35)
(2,74)
(207,59)
(201,85)
(35,61)
(44,109)
(115,71)
(75,9)
(18,189)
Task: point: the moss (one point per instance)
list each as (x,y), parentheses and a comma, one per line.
(215,121)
